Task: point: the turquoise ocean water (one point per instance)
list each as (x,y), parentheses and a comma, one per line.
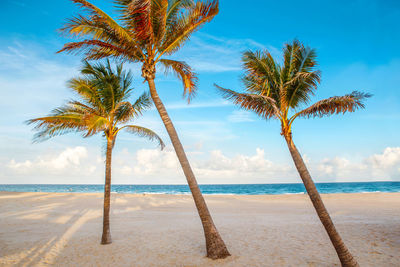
(235,189)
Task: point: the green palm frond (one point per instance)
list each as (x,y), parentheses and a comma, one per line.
(106,87)
(288,58)
(298,78)
(184,72)
(126,111)
(141,104)
(123,112)
(335,105)
(144,132)
(263,106)
(300,88)
(261,64)
(262,74)
(87,92)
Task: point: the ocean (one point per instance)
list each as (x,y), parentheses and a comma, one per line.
(210,189)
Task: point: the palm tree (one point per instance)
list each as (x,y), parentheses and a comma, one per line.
(103,109)
(148,32)
(275,91)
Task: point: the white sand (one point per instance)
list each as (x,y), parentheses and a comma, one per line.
(41,229)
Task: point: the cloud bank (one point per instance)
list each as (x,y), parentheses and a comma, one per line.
(152,166)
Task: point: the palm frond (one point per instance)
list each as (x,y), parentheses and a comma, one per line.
(87,92)
(123,112)
(141,104)
(184,72)
(297,75)
(102,28)
(96,49)
(95,124)
(62,120)
(144,132)
(187,22)
(335,105)
(174,6)
(261,64)
(159,19)
(81,26)
(263,106)
(300,88)
(100,16)
(126,111)
(288,58)
(145,18)
(136,17)
(262,74)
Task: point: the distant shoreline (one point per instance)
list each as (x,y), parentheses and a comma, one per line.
(210,189)
(205,194)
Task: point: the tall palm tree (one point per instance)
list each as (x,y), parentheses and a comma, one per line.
(103,108)
(280,92)
(148,32)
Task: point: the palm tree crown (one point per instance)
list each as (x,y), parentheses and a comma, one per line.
(104,106)
(279,91)
(146,32)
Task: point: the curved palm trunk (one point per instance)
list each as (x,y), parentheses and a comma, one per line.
(106,237)
(216,248)
(343,253)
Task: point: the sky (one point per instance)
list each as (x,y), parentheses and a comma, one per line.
(357,43)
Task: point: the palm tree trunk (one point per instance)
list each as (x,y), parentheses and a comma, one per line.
(106,237)
(343,253)
(216,248)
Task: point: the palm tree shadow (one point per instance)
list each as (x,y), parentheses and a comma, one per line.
(47,253)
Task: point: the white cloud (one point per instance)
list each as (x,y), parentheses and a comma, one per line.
(240,116)
(207,53)
(383,166)
(68,159)
(389,158)
(242,168)
(154,161)
(149,166)
(163,167)
(339,168)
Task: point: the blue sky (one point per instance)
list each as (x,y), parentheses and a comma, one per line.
(357,44)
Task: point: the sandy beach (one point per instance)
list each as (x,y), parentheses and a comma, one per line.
(64,229)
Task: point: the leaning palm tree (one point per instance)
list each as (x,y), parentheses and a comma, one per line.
(104,108)
(148,32)
(280,92)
